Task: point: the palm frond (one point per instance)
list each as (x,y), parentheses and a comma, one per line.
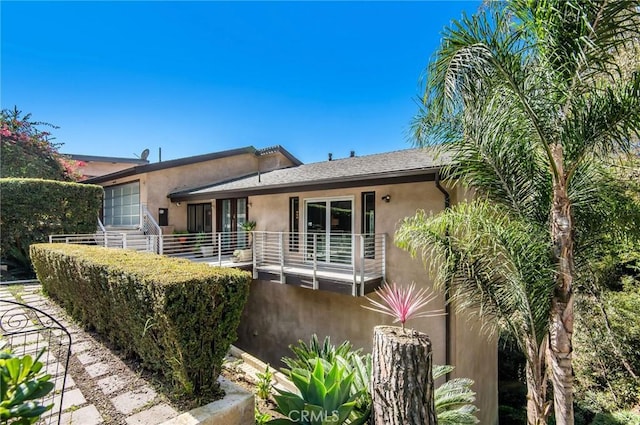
(494,265)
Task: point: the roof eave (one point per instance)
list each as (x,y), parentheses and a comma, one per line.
(407,176)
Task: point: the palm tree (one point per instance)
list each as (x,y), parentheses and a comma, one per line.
(525,96)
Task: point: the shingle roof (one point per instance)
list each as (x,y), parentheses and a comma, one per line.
(371,167)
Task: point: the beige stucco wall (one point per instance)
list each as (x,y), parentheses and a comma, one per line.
(156,185)
(97,168)
(277,315)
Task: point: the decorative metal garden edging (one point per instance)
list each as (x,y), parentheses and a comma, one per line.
(28,330)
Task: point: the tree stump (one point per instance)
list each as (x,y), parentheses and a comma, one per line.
(402,381)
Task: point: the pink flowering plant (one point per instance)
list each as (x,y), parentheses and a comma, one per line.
(403,303)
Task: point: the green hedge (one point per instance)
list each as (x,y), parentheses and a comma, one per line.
(177,316)
(32,209)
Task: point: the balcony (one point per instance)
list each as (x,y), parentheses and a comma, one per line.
(338,262)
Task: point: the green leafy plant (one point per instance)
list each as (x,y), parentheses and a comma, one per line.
(325,398)
(261,418)
(403,303)
(352,360)
(248,226)
(22,383)
(454,399)
(264,384)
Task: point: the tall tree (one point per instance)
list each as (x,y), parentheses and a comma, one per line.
(525,95)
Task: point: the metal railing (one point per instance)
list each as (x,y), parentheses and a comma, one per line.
(344,257)
(151,228)
(353,258)
(217,248)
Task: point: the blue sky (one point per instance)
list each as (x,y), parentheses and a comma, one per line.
(199,77)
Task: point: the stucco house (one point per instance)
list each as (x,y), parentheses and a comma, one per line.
(324,238)
(142,190)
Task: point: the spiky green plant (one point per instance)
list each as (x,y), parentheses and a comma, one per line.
(344,354)
(325,397)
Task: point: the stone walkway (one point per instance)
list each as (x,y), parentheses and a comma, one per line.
(100,388)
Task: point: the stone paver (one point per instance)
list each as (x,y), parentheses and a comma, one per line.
(88,415)
(112,383)
(97,369)
(140,406)
(155,415)
(80,347)
(86,358)
(132,400)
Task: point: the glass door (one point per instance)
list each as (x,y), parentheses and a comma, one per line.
(231,214)
(329,230)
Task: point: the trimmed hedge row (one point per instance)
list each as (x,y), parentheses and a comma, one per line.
(32,209)
(177,316)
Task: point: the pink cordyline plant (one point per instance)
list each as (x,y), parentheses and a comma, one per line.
(403,303)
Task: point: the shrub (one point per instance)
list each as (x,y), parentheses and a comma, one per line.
(178,317)
(32,209)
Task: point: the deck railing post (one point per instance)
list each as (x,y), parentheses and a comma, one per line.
(362,239)
(315,260)
(354,283)
(50,238)
(254,250)
(66,239)
(219,238)
(124,241)
(281,256)
(106,238)
(161,244)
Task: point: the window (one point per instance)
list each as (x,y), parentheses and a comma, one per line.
(122,205)
(369,223)
(199,218)
(329,230)
(294,223)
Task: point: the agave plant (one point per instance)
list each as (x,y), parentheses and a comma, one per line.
(403,303)
(325,397)
(344,354)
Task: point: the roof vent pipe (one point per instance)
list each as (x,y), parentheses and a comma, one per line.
(352,154)
(330,156)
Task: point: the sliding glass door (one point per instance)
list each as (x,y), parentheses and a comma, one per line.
(329,230)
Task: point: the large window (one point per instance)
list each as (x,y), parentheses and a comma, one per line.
(122,205)
(199,218)
(329,230)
